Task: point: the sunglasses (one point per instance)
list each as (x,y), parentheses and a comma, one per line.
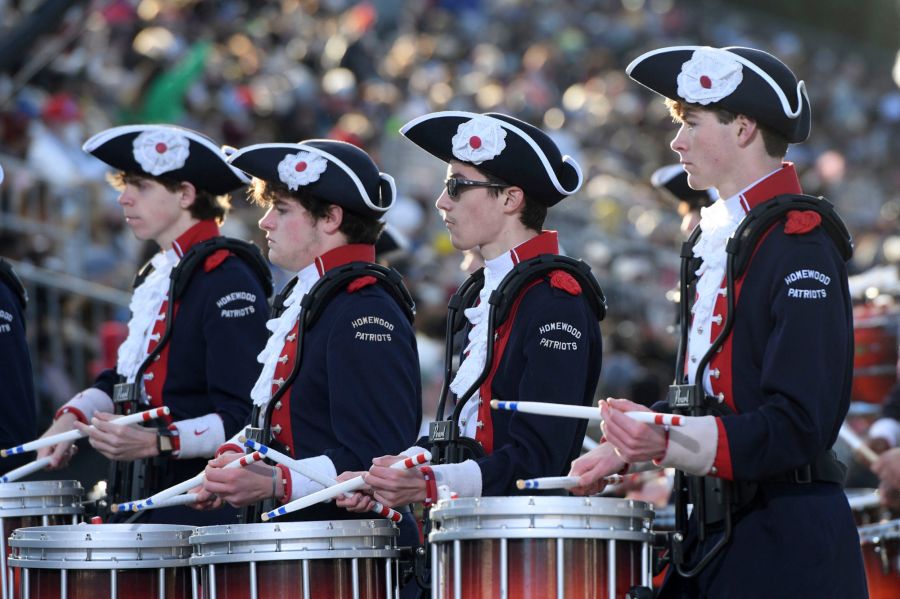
(456,186)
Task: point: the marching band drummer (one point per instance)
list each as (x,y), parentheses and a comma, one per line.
(777,339)
(502,176)
(340,382)
(195,356)
(17,401)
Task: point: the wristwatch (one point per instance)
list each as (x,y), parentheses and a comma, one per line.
(164,444)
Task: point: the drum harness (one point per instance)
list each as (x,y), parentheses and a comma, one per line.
(313,304)
(717,502)
(448,446)
(139,477)
(12,280)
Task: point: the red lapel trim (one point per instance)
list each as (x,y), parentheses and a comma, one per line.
(354,252)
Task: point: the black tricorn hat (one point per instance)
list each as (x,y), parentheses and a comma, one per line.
(333,171)
(741,80)
(505,147)
(167,151)
(673,179)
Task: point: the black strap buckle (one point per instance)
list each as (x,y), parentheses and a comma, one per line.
(803,475)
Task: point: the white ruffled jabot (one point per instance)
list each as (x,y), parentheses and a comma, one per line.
(146,302)
(476,351)
(280,327)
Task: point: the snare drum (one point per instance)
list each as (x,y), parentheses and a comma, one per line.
(36,503)
(881,556)
(875,357)
(865,505)
(341,558)
(539,547)
(89,561)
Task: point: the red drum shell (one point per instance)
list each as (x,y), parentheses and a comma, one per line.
(875,339)
(880,545)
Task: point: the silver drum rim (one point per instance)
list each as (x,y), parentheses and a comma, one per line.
(875,533)
(291,541)
(40,498)
(529,517)
(101,546)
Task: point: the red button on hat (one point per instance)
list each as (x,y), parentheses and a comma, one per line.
(705,82)
(161,148)
(475,141)
(300,167)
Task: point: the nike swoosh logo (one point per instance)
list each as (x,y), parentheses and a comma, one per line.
(200,432)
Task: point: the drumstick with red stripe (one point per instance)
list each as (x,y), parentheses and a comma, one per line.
(562,482)
(355,483)
(75,434)
(856,443)
(188,484)
(325,481)
(585,412)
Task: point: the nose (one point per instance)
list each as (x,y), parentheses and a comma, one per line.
(443,201)
(265,223)
(125,198)
(678,143)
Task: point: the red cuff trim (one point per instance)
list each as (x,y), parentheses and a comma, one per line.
(430,486)
(286,482)
(229,447)
(176,440)
(722,463)
(70,410)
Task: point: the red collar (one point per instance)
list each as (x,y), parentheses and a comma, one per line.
(205,229)
(782,181)
(354,252)
(547,242)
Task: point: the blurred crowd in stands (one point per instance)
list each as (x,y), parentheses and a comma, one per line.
(245,71)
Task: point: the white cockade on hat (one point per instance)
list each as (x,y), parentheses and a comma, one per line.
(479,139)
(301,168)
(160,151)
(710,75)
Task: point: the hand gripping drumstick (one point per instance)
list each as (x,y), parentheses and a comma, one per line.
(326,481)
(188,484)
(586,412)
(25,470)
(857,444)
(353,484)
(562,482)
(75,434)
(184,499)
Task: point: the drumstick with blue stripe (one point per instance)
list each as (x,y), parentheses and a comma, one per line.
(187,485)
(562,482)
(75,434)
(326,481)
(585,412)
(22,471)
(353,484)
(185,499)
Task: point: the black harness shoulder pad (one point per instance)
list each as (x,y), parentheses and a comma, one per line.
(197,255)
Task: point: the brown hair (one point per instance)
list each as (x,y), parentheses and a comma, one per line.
(357,228)
(533,212)
(206,205)
(776,144)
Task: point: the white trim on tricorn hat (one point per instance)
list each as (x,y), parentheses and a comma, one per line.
(554,179)
(295,149)
(1,174)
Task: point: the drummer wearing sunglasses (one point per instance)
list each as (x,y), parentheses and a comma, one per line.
(502,176)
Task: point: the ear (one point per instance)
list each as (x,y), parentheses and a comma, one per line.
(331,222)
(188,194)
(514,200)
(747,129)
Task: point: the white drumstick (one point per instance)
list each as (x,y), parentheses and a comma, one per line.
(189,483)
(588,444)
(25,470)
(561,482)
(586,412)
(75,434)
(347,486)
(856,443)
(326,481)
